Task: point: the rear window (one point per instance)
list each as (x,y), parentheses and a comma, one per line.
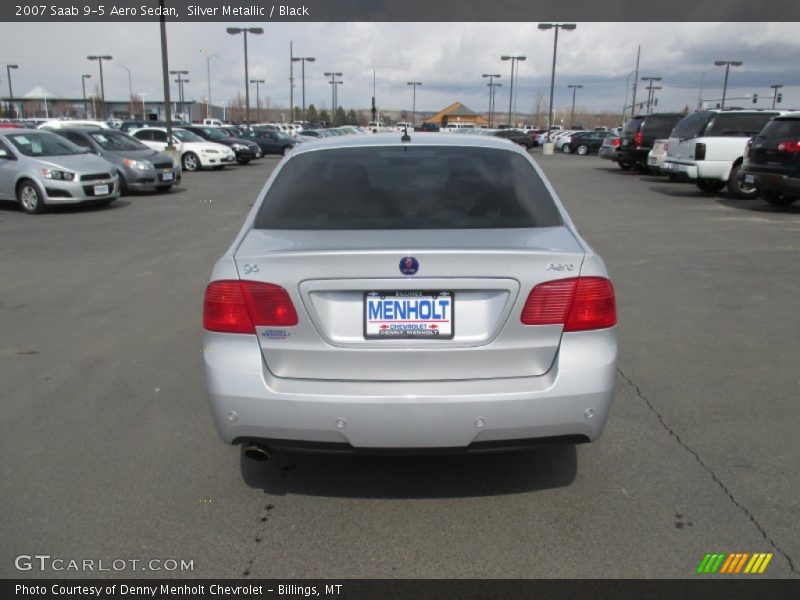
(781,128)
(632,126)
(737,124)
(660,125)
(691,126)
(407,187)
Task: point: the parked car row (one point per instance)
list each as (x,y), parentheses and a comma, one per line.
(750,153)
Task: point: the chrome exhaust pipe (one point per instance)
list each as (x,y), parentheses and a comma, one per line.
(257,453)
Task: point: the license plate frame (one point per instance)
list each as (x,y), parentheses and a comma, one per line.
(381,329)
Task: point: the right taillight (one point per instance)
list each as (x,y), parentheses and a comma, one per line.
(615,142)
(790,146)
(233,306)
(699,151)
(638,139)
(579,303)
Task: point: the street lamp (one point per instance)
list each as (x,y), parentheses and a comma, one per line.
(208,78)
(775,89)
(130,88)
(83,87)
(10,91)
(144,110)
(245,31)
(513,59)
(180,81)
(100,58)
(414,85)
(333,75)
(650,91)
(491,85)
(258,99)
(727,64)
(556,26)
(574,89)
(303,59)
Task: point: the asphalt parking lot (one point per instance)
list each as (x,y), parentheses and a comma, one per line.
(109,451)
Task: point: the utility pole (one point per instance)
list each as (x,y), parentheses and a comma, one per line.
(635,80)
(291,82)
(775,89)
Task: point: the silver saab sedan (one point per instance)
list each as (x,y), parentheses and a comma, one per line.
(401,294)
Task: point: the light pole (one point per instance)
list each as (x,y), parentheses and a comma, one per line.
(514,59)
(10,91)
(208,79)
(491,85)
(651,94)
(625,104)
(224,107)
(303,60)
(574,89)
(545,27)
(727,64)
(100,58)
(245,31)
(333,75)
(180,81)
(83,87)
(650,91)
(144,110)
(94,114)
(130,88)
(258,98)
(414,85)
(775,89)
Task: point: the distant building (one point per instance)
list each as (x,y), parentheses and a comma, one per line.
(457,113)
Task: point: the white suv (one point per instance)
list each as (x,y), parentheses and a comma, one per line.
(707,147)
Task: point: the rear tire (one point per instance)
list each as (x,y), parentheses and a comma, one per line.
(566,149)
(190,162)
(710,186)
(776,199)
(738,188)
(30,198)
(582,150)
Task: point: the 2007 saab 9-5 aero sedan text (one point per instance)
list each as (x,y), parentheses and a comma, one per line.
(409,295)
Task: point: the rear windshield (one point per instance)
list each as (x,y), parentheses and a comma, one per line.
(781,128)
(116,141)
(660,125)
(632,126)
(691,126)
(407,187)
(737,124)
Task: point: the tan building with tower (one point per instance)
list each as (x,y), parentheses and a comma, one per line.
(457,113)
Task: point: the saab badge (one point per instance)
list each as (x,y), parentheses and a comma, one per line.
(409,265)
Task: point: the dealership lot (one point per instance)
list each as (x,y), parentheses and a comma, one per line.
(109,449)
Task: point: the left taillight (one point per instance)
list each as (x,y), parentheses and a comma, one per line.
(580,303)
(233,306)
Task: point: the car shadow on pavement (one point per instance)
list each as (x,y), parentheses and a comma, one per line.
(758,205)
(414,477)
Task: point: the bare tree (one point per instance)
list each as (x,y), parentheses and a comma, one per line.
(539,108)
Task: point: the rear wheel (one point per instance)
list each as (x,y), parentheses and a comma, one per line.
(738,188)
(30,198)
(190,162)
(776,199)
(566,149)
(710,186)
(583,150)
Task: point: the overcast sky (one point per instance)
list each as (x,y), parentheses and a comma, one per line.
(448,58)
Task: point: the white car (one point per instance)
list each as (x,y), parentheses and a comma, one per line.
(707,147)
(195,152)
(70,123)
(657,156)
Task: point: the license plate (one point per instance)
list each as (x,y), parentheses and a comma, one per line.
(402,314)
(749,179)
(100,190)
(166,176)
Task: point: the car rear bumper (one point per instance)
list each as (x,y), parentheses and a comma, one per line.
(775,182)
(572,399)
(705,169)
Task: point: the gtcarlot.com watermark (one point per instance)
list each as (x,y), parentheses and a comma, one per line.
(48,563)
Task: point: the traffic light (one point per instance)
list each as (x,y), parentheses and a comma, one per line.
(755,98)
(655,101)
(779,98)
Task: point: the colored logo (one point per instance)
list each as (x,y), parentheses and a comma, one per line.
(409,265)
(735,563)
